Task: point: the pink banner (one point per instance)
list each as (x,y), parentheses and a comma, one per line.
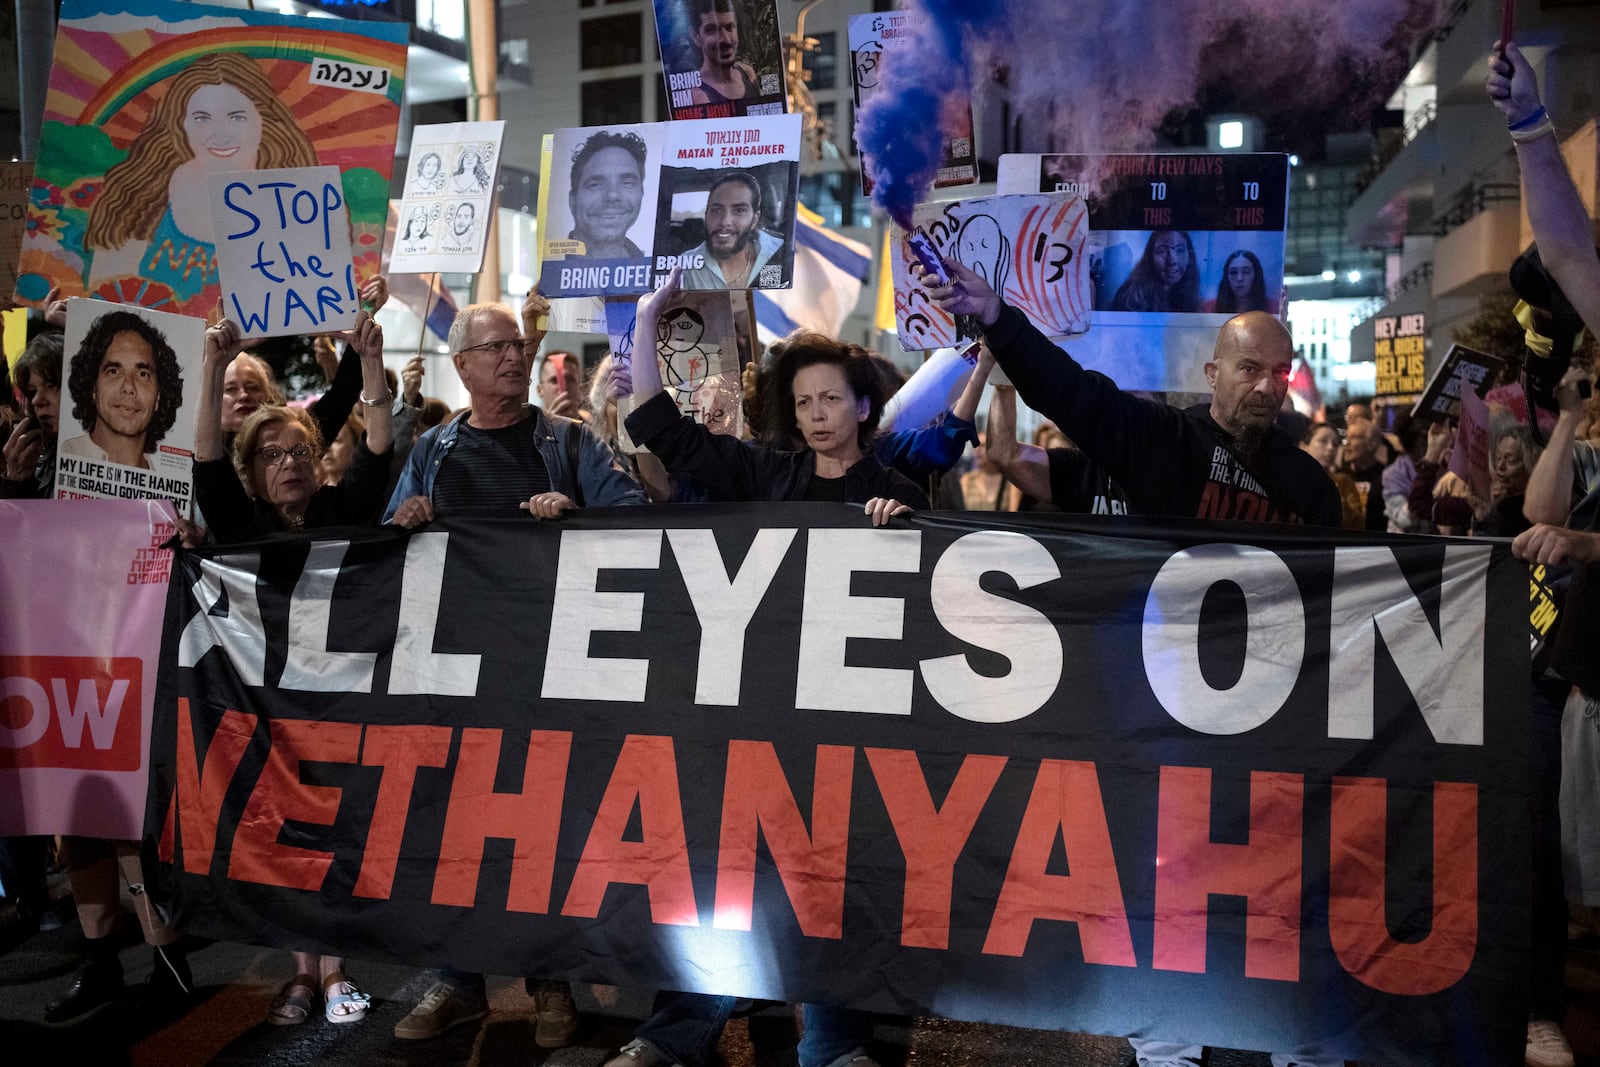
(85,586)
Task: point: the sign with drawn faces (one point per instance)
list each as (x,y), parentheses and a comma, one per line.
(449,192)
(698,349)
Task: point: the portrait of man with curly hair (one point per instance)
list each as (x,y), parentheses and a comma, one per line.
(126,388)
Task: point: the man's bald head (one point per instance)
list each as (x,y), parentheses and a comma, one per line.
(1249,372)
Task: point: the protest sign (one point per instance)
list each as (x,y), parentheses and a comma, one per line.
(1030,249)
(15,178)
(1441,398)
(283,249)
(874,40)
(125,430)
(1399,351)
(699,354)
(85,586)
(577,314)
(149,98)
(716,197)
(1260,788)
(721,59)
(449,193)
(1180,242)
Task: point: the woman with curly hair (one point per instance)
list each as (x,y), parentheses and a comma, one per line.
(153,217)
(1166,278)
(126,388)
(471,176)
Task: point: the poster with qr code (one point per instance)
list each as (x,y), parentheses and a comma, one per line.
(721,58)
(874,39)
(715,197)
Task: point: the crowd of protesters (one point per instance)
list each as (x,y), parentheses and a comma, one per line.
(374,449)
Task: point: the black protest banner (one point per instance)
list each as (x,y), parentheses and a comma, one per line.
(1252,786)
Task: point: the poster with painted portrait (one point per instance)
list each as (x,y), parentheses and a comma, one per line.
(125,431)
(721,58)
(149,99)
(698,350)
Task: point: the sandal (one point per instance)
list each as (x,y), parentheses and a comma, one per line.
(292,1005)
(343,1002)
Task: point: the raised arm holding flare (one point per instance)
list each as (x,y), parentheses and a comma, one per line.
(1225,460)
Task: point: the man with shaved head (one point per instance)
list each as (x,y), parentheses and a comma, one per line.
(1223,460)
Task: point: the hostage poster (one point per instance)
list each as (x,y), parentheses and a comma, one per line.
(629,203)
(127,425)
(449,193)
(721,58)
(1181,242)
(149,99)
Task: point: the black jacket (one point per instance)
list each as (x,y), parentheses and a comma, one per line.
(233,516)
(731,470)
(1169,462)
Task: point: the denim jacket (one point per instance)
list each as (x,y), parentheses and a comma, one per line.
(604,485)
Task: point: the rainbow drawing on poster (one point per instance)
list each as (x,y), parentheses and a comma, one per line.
(148,97)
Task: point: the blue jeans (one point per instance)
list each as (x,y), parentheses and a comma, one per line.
(685,1027)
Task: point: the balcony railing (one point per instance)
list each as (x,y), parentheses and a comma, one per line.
(1416,279)
(1473,201)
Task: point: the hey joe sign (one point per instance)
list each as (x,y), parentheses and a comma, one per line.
(283,248)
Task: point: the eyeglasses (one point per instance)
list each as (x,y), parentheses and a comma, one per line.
(273,455)
(501,348)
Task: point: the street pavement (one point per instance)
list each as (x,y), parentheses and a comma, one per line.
(236,982)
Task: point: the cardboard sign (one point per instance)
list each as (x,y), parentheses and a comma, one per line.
(628,203)
(126,431)
(449,193)
(283,246)
(15,178)
(1441,398)
(1030,249)
(150,98)
(874,40)
(721,60)
(697,349)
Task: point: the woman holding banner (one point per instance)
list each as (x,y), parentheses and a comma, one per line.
(829,401)
(271,486)
(219,114)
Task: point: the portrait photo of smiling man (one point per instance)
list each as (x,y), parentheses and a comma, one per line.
(126,388)
(606,193)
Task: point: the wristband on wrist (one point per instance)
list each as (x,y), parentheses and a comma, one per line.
(1539,115)
(385,398)
(1533,133)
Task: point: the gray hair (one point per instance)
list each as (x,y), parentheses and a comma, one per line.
(467,316)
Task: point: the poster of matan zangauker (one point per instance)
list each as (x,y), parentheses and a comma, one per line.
(450,183)
(629,203)
(127,424)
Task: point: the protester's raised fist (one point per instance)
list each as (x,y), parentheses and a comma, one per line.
(374,294)
(411,379)
(1511,84)
(223,342)
(534,307)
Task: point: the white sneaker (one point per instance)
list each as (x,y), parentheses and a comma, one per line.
(1547,1045)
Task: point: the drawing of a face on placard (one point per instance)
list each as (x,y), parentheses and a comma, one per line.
(418,231)
(427,175)
(462,226)
(145,108)
(473,169)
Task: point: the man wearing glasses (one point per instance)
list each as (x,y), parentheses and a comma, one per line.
(504,452)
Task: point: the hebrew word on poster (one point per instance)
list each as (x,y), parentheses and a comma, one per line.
(1030,249)
(627,204)
(874,40)
(449,192)
(149,98)
(15,178)
(721,58)
(126,429)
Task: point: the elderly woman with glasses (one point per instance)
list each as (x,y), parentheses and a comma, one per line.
(271,485)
